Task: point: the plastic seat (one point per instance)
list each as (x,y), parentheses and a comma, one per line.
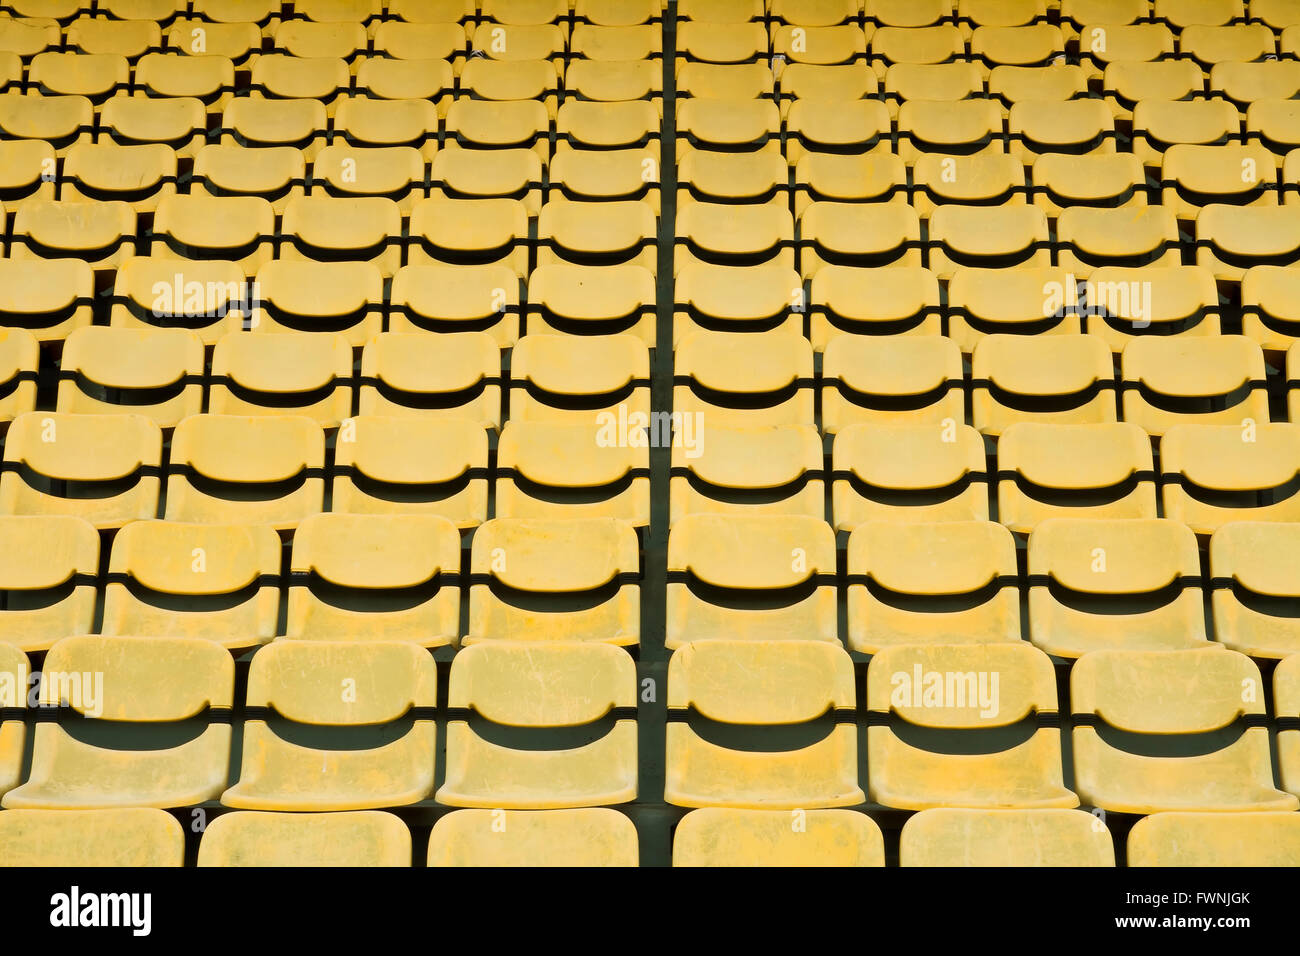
(279,374)
(880,303)
(705,42)
(49,297)
(437,39)
(422,85)
(351,838)
(1184,695)
(586,837)
(138,680)
(339,11)
(177,122)
(274,173)
(392,172)
(451,376)
(103,468)
(1058,81)
(1213,474)
(1286,705)
(1079,127)
(19,362)
(1160,124)
(1251,568)
(1196,176)
(761,684)
(943,583)
(859,235)
(853,127)
(451,298)
(342,299)
(99,233)
(515,562)
(15,670)
(909,473)
(25,172)
(391,121)
(724,124)
(238,229)
(458,173)
(963,127)
(209,79)
(916,43)
(126,837)
(754,299)
(325,229)
(1267,315)
(153,372)
(216,582)
(94,76)
(891,380)
(606,233)
(556,470)
(725,178)
(613,81)
(961,690)
(255,122)
(541,686)
(47,573)
(1108,474)
(367,687)
(127,38)
(28,36)
(1231,239)
(1124,584)
(836,177)
(1126,83)
(823,45)
(757,577)
(738,378)
(1170,301)
(950,836)
(1180,14)
(997,236)
(207,298)
(592,300)
(718,836)
(375,578)
(230,469)
(588,381)
(1134,236)
(412,465)
(1247,83)
(238,40)
(471,232)
(1031,302)
(1050,379)
(136,175)
(306,39)
(1105,43)
(724,81)
(773,469)
(502,124)
(1215,839)
(1212,380)
(58,120)
(946,82)
(986,179)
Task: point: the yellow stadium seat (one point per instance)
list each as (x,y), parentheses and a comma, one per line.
(891,380)
(1108,474)
(104,468)
(1183,694)
(101,234)
(884,303)
(324,298)
(720,836)
(1027,301)
(239,229)
(432,297)
(124,837)
(548,686)
(1124,584)
(455,375)
(943,583)
(136,175)
(218,582)
(739,378)
(375,578)
(1213,474)
(594,563)
(592,300)
(231,469)
(1048,379)
(579,381)
(47,574)
(152,372)
(366,687)
(1251,566)
(585,836)
(282,373)
(949,836)
(955,688)
(347,838)
(140,680)
(757,577)
(1215,840)
(412,465)
(1211,380)
(933,472)
(761,684)
(208,298)
(1123,303)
